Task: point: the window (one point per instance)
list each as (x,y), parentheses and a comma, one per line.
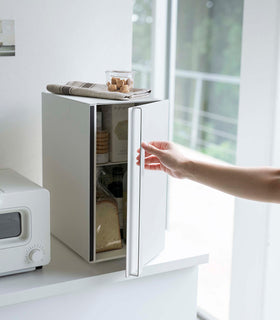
(142,19)
(203,49)
(207,76)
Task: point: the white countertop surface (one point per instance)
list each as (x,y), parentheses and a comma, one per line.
(67,272)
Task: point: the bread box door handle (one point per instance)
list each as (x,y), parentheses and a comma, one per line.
(133,255)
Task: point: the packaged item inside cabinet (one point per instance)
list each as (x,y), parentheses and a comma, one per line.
(115,121)
(107,221)
(102,141)
(99,121)
(116,188)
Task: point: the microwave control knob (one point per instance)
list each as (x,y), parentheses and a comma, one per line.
(36,255)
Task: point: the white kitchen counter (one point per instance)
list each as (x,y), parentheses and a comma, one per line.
(67,272)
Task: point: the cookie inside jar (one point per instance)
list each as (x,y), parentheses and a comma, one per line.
(120,81)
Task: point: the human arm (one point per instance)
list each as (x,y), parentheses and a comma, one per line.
(259,183)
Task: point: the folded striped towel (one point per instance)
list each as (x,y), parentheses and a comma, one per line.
(95,90)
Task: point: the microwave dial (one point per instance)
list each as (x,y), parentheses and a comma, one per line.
(35,254)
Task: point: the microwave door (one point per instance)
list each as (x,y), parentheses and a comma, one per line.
(147,190)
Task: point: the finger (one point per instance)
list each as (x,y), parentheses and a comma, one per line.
(153,166)
(162,145)
(151,149)
(150,156)
(157,144)
(152,159)
(146,153)
(149,161)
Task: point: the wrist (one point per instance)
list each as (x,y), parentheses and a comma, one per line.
(188,169)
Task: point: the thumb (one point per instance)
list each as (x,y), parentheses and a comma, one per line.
(151,149)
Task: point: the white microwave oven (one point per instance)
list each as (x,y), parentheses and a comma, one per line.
(24,224)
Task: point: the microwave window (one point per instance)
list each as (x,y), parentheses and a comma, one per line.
(10,225)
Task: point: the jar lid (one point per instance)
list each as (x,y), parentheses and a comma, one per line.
(120,72)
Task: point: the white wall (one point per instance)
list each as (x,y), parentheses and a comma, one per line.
(7,35)
(258,92)
(56,41)
(272,275)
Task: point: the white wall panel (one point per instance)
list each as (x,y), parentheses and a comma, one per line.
(255,148)
(56,41)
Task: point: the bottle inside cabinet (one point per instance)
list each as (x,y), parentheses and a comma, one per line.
(102,140)
(112,133)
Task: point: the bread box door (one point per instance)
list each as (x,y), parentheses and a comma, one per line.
(146,206)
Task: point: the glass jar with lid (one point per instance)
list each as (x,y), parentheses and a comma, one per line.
(120,81)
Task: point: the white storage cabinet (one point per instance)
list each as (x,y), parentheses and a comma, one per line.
(69,127)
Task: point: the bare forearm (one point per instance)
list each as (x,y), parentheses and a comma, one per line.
(262,184)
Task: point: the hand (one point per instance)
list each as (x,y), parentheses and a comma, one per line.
(164,156)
